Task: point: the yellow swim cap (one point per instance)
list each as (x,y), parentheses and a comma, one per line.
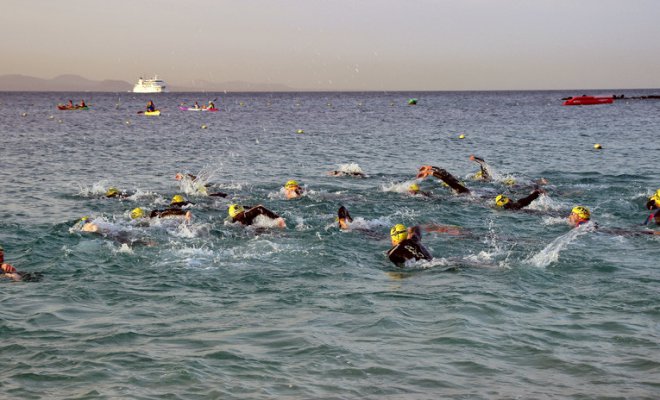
(509,181)
(291,184)
(414,188)
(137,213)
(235,209)
(398,233)
(656,196)
(178,199)
(112,192)
(582,212)
(479,175)
(501,200)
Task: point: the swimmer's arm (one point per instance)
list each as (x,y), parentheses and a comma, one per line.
(482,166)
(525,201)
(448,229)
(260,210)
(415,234)
(449,179)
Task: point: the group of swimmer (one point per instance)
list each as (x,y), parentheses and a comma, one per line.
(406,241)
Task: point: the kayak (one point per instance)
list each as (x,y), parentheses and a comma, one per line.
(198,109)
(155,113)
(587,100)
(63,107)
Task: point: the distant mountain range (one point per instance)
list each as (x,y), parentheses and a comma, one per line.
(76,83)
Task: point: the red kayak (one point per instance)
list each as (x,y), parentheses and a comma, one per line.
(587,100)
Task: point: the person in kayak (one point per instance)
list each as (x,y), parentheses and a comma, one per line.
(211,105)
(196,106)
(654,201)
(443,175)
(502,201)
(292,190)
(82,104)
(238,213)
(407,245)
(151,106)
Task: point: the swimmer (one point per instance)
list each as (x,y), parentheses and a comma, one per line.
(413,190)
(407,245)
(355,174)
(179,201)
(238,213)
(579,215)
(139,213)
(502,201)
(199,187)
(443,175)
(113,192)
(343,218)
(483,174)
(654,201)
(292,190)
(9,271)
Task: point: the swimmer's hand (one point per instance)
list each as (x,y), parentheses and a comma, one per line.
(425,171)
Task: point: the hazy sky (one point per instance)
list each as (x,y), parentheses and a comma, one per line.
(340,44)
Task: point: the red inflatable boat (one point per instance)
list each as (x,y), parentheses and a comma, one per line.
(587,100)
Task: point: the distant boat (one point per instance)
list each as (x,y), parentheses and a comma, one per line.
(74,107)
(154,85)
(182,108)
(587,100)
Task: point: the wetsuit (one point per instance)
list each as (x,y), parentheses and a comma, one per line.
(247,217)
(181,204)
(652,204)
(484,176)
(169,212)
(409,249)
(524,202)
(449,179)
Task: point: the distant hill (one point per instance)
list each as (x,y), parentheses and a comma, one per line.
(76,83)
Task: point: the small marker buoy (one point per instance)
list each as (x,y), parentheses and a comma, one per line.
(204,126)
(51,117)
(461,136)
(128,122)
(597,146)
(300,131)
(24,114)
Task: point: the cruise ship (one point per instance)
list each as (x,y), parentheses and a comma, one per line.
(154,85)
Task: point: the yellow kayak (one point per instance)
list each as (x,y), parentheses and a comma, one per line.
(157,112)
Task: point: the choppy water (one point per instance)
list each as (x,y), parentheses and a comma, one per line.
(519,306)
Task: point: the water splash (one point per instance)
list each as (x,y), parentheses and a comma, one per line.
(551,252)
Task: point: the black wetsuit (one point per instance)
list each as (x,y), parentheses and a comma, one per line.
(169,212)
(524,202)
(449,179)
(247,217)
(409,249)
(485,176)
(651,204)
(181,204)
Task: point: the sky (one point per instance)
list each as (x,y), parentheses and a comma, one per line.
(340,44)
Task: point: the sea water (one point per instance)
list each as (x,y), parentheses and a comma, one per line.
(518,305)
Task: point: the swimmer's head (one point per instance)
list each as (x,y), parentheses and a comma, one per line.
(137,213)
(291,184)
(398,234)
(235,209)
(509,181)
(178,199)
(112,192)
(413,188)
(501,200)
(343,218)
(579,215)
(178,176)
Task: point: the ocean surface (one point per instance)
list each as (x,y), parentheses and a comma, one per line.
(519,305)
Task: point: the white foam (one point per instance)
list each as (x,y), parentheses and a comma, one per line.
(551,252)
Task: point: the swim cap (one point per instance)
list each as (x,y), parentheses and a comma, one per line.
(291,184)
(509,181)
(112,192)
(413,188)
(178,199)
(235,209)
(137,213)
(656,196)
(479,174)
(582,212)
(398,233)
(501,200)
